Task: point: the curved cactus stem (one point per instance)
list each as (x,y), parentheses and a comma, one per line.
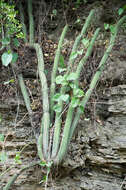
(57,124)
(14,177)
(88,53)
(25,94)
(57,127)
(65,138)
(39,147)
(31,22)
(54,71)
(22,21)
(77,41)
(97,75)
(56,136)
(44,89)
(79,37)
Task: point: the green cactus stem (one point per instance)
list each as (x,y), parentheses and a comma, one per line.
(57,125)
(31,22)
(88,53)
(97,75)
(54,71)
(14,177)
(79,38)
(65,136)
(25,94)
(44,92)
(22,21)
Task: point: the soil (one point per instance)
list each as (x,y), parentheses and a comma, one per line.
(91,163)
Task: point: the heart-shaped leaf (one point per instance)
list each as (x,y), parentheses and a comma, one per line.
(85,42)
(59,79)
(56,97)
(75,102)
(73,55)
(65,97)
(57,108)
(5,41)
(78,92)
(15,57)
(61,69)
(72,76)
(16,42)
(120,11)
(6,58)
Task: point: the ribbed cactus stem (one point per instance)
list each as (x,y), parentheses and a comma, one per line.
(14,177)
(31,22)
(22,22)
(79,38)
(25,94)
(57,124)
(44,93)
(88,53)
(97,75)
(65,136)
(54,71)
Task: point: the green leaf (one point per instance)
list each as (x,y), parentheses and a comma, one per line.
(85,42)
(78,92)
(5,41)
(61,62)
(1,138)
(57,108)
(56,97)
(15,57)
(81,109)
(3,156)
(49,164)
(6,58)
(124,7)
(75,102)
(61,69)
(59,79)
(9,81)
(87,119)
(112,29)
(72,76)
(73,55)
(106,26)
(54,12)
(17,159)
(72,85)
(68,88)
(80,52)
(43,180)
(65,97)
(16,42)
(42,163)
(20,35)
(78,21)
(120,11)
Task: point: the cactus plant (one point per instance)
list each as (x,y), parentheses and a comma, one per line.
(55,150)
